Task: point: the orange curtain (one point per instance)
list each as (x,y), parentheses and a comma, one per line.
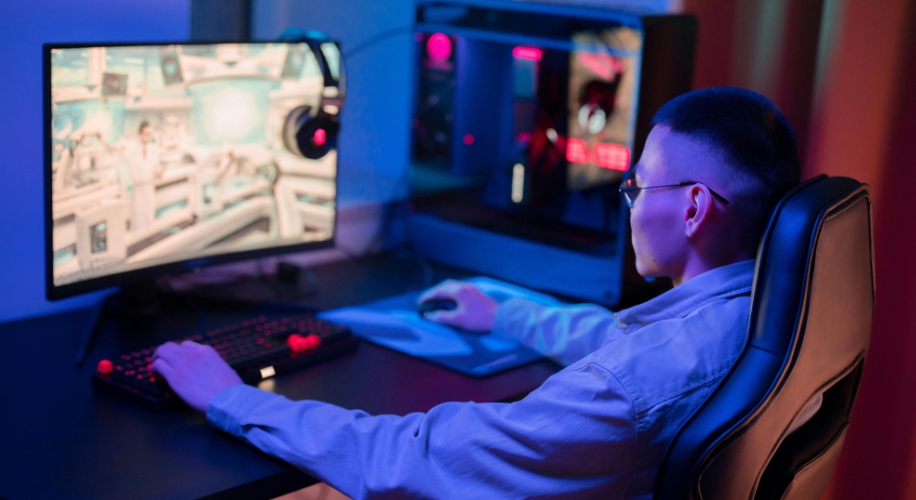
(844,73)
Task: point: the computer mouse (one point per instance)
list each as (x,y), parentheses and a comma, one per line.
(430,305)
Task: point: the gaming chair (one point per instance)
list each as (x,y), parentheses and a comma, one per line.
(810,322)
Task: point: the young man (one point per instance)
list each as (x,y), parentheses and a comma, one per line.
(714,166)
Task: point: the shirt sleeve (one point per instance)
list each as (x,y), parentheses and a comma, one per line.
(572,437)
(565,334)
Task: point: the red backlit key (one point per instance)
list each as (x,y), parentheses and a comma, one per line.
(105,367)
(298,343)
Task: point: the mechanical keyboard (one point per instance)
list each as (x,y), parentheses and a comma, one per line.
(257,349)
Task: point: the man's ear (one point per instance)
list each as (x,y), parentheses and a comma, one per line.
(697,211)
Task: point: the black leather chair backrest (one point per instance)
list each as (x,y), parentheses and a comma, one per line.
(810,322)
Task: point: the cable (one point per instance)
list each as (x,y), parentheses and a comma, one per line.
(378,38)
(295,35)
(91,328)
(422,262)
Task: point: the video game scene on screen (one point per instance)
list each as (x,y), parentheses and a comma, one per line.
(164,154)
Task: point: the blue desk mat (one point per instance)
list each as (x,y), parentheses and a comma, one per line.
(393,322)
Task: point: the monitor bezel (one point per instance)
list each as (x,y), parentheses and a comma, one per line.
(57,292)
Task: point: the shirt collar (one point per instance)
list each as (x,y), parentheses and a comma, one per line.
(721,282)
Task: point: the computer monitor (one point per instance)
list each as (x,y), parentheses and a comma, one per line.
(162,158)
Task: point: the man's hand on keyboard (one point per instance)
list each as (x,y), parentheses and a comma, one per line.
(475,310)
(195,372)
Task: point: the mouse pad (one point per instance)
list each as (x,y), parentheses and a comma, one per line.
(393,322)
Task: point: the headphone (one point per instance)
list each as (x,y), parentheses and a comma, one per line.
(312,131)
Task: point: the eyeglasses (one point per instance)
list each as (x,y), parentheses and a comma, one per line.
(630,191)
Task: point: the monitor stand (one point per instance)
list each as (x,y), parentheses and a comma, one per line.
(139,299)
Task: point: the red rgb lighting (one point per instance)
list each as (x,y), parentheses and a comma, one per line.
(439,48)
(576,151)
(532,53)
(105,367)
(320,137)
(468,139)
(612,156)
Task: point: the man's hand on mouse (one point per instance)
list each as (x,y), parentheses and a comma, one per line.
(475,310)
(195,372)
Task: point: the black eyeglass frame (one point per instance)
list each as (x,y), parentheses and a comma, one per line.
(626,188)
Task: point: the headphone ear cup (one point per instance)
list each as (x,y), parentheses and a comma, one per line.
(317,135)
(311,136)
(291,126)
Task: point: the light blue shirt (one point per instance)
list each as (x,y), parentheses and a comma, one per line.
(599,428)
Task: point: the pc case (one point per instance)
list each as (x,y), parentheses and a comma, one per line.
(527,118)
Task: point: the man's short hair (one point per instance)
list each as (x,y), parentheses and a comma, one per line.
(754,137)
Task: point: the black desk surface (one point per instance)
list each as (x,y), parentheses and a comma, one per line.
(60,439)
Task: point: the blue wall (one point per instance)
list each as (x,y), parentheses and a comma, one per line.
(26,25)
(374,142)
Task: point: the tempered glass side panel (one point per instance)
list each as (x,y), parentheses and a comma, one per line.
(515,93)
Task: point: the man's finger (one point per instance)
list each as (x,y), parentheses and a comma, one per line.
(432,316)
(192,346)
(437,292)
(162,367)
(169,351)
(447,317)
(208,351)
(445,290)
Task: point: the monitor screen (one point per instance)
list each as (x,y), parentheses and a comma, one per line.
(186,153)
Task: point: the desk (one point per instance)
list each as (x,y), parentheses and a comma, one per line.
(61,439)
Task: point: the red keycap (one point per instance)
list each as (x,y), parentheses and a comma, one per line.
(105,367)
(298,343)
(295,342)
